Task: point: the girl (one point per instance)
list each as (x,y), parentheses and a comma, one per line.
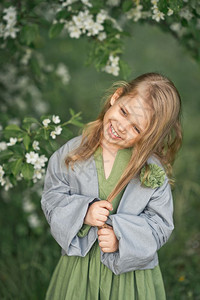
(107,196)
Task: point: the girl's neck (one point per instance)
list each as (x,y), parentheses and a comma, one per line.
(109,149)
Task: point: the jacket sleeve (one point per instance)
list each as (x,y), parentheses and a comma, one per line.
(65,210)
(140,236)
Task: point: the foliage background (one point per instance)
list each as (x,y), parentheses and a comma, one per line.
(29,255)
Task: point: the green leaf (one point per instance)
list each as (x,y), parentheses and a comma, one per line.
(12,179)
(26,126)
(16,166)
(125,69)
(26,141)
(30,120)
(6,154)
(29,33)
(71,112)
(63,14)
(11,133)
(12,130)
(13,127)
(127,5)
(55,30)
(76,123)
(27,171)
(18,150)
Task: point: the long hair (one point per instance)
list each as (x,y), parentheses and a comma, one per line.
(162,137)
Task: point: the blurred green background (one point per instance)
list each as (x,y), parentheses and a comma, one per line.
(29,257)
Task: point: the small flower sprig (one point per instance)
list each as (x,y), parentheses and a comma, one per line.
(155,178)
(25,149)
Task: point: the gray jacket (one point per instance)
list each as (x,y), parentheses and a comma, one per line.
(143,221)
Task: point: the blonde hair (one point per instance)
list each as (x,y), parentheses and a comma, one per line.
(163,135)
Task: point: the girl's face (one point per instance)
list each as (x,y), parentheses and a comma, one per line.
(125,121)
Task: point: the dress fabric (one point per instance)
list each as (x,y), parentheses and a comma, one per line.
(87,278)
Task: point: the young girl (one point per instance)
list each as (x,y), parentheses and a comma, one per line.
(107,196)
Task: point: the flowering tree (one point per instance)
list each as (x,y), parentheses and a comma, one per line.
(25,147)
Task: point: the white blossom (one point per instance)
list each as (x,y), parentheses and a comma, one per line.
(68,2)
(12,141)
(101,16)
(63,73)
(33,221)
(170,12)
(25,59)
(46,122)
(95,29)
(87,3)
(10,15)
(2,181)
(9,10)
(40,162)
(19,177)
(36,145)
(154,2)
(28,206)
(112,66)
(2,28)
(114,60)
(74,31)
(114,70)
(186,14)
(10,31)
(56,119)
(38,174)
(53,134)
(113,2)
(176,27)
(49,68)
(7,184)
(158,15)
(31,157)
(58,130)
(11,18)
(135,13)
(84,23)
(102,36)
(3,146)
(1,172)
(115,24)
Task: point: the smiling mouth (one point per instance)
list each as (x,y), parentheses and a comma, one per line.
(114,134)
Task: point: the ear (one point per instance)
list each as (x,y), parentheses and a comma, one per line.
(116,95)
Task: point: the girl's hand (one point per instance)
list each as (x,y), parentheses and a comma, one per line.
(98,213)
(108,241)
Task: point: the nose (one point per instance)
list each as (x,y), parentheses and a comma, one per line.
(121,127)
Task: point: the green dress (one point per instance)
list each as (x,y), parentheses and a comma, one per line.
(86,278)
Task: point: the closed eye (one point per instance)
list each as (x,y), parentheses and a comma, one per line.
(138,131)
(123,112)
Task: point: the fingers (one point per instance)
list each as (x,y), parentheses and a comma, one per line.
(103,238)
(105,204)
(102,218)
(104,211)
(107,250)
(99,223)
(104,231)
